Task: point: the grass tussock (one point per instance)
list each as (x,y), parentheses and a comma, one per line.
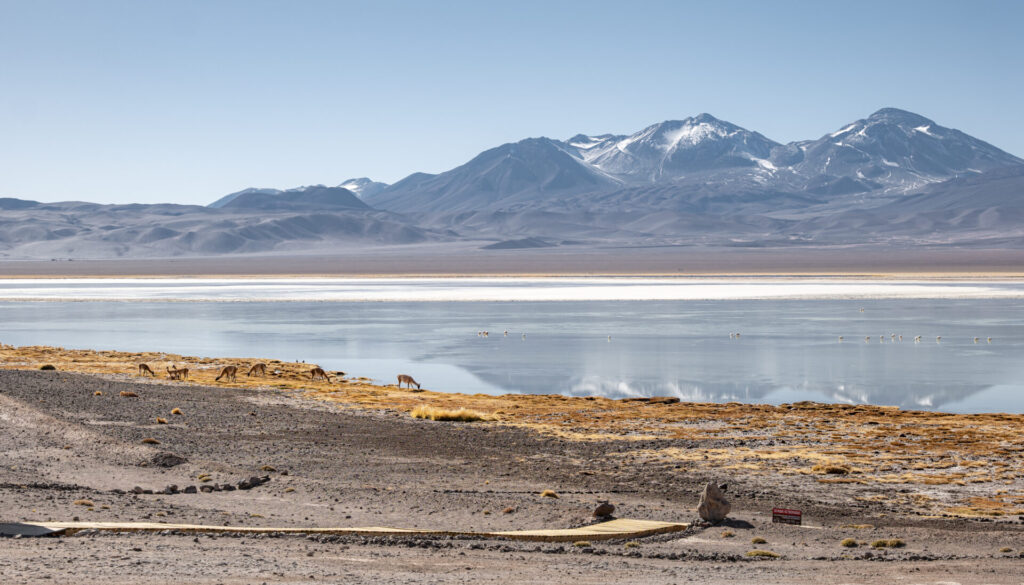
(509,510)
(548,494)
(150,441)
(831,469)
(176,411)
(125,394)
(268,468)
(161,421)
(764,554)
(1006,549)
(84,503)
(858,526)
(97,393)
(889,543)
(289,490)
(459,415)
(758,540)
(632,544)
(849,543)
(728,534)
(48,367)
(582,544)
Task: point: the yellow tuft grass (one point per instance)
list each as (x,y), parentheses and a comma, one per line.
(289,490)
(176,411)
(128,394)
(765,554)
(150,441)
(728,534)
(460,414)
(632,544)
(890,543)
(548,494)
(508,510)
(1006,549)
(268,468)
(758,540)
(161,421)
(582,543)
(84,503)
(831,468)
(849,543)
(97,393)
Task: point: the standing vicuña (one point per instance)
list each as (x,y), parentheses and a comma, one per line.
(145,369)
(319,373)
(406,379)
(177,374)
(258,370)
(228,372)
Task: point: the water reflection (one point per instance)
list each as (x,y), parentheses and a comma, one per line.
(788,351)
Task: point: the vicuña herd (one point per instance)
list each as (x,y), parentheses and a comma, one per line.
(229,374)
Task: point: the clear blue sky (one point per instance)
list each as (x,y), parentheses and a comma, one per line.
(184,102)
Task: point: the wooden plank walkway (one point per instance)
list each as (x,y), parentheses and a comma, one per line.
(613,529)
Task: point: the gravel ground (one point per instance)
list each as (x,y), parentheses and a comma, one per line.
(60,443)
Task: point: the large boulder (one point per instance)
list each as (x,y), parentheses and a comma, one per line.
(713,507)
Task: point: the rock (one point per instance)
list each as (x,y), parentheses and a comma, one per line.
(137,490)
(713,507)
(190,489)
(603,510)
(165,459)
(206,489)
(228,487)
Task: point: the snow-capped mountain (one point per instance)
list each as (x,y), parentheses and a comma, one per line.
(673,149)
(705,165)
(891,150)
(363,187)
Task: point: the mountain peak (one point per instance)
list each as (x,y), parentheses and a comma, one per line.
(898,115)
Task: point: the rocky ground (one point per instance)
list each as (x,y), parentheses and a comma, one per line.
(72,446)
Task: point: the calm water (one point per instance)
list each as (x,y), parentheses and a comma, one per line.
(788,349)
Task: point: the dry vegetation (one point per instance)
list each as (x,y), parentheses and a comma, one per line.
(964,465)
(459,414)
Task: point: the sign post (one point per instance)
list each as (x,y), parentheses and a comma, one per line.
(786,516)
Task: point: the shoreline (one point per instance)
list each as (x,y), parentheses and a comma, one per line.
(463,259)
(853,440)
(948,489)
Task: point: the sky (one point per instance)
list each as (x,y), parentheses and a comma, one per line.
(184,102)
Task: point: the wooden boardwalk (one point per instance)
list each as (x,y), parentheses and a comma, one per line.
(613,529)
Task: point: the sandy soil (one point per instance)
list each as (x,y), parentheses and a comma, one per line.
(470,260)
(347,454)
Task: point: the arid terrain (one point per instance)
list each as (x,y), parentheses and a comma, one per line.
(468,259)
(918,497)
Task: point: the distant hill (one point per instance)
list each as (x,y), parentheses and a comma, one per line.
(314,197)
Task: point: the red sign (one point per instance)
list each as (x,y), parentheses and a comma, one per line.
(786,516)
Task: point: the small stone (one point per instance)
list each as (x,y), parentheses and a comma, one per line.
(604,509)
(191,489)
